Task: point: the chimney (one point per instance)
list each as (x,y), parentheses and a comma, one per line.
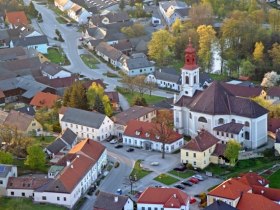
(67,163)
(72,166)
(116,199)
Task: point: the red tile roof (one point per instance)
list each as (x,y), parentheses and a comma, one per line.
(273,124)
(147,131)
(242,91)
(230,189)
(250,201)
(270,193)
(2,95)
(31,183)
(58,82)
(42,99)
(113,96)
(203,141)
(18,120)
(17,18)
(87,84)
(168,197)
(253,179)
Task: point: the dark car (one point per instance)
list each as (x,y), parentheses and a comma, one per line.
(91,190)
(68,24)
(186,182)
(119,146)
(193,180)
(181,187)
(130,150)
(180,167)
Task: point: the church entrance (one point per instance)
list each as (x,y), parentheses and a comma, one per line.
(147,145)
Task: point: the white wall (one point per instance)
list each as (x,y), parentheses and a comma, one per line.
(12,173)
(159,207)
(24,193)
(61,74)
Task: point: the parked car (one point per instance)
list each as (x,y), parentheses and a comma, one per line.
(130,150)
(180,167)
(186,182)
(91,190)
(68,24)
(154,163)
(181,187)
(119,146)
(114,141)
(193,180)
(192,200)
(81,39)
(199,177)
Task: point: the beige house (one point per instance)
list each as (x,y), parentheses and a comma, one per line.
(203,150)
(22,122)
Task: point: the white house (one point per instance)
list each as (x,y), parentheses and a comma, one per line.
(87,124)
(163,199)
(81,168)
(6,171)
(172,10)
(143,135)
(53,71)
(109,201)
(215,106)
(79,14)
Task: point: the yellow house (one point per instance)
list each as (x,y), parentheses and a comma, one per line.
(23,123)
(203,150)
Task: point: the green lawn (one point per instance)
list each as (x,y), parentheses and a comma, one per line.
(274,179)
(184,174)
(138,171)
(178,64)
(44,141)
(57,56)
(61,20)
(89,60)
(219,77)
(166,179)
(110,74)
(25,204)
(149,99)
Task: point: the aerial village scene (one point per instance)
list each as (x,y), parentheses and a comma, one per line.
(140,104)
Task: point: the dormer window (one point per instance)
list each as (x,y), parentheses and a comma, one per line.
(157,137)
(137,133)
(147,134)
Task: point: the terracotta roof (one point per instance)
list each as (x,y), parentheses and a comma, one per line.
(42,99)
(133,113)
(219,205)
(274,91)
(231,127)
(2,95)
(253,179)
(242,91)
(113,96)
(219,150)
(250,201)
(168,197)
(106,201)
(230,189)
(17,18)
(273,124)
(146,131)
(19,120)
(203,141)
(31,183)
(270,193)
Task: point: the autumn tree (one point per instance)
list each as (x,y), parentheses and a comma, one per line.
(107,106)
(258,52)
(135,30)
(176,27)
(129,83)
(160,47)
(98,105)
(201,14)
(163,128)
(141,85)
(206,38)
(270,79)
(121,4)
(274,53)
(31,10)
(139,101)
(36,158)
(274,19)
(6,157)
(232,151)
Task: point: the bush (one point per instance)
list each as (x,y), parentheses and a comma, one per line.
(97,192)
(189,166)
(56,128)
(268,152)
(117,164)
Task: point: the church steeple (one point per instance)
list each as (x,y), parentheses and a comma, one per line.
(190,57)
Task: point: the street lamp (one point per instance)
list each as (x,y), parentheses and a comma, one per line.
(132,179)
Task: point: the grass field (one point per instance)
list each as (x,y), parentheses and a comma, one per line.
(57,56)
(166,179)
(61,20)
(138,171)
(184,174)
(274,180)
(89,60)
(25,204)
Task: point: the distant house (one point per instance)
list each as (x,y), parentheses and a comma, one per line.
(143,135)
(109,201)
(109,18)
(27,110)
(172,10)
(125,46)
(78,13)
(16,53)
(6,171)
(114,99)
(53,71)
(203,150)
(22,122)
(273,94)
(164,199)
(87,124)
(145,114)
(16,18)
(136,64)
(44,100)
(63,5)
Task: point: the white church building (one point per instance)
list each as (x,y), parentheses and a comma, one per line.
(217,110)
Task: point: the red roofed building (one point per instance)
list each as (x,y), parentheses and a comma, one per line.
(144,135)
(163,198)
(253,179)
(46,100)
(16,18)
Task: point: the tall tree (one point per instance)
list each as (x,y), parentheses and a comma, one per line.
(36,158)
(121,4)
(247,68)
(206,38)
(232,150)
(98,105)
(107,105)
(31,10)
(160,47)
(274,19)
(163,128)
(201,14)
(141,84)
(6,157)
(258,52)
(176,27)
(274,53)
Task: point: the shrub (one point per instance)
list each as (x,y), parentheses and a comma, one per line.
(189,166)
(117,164)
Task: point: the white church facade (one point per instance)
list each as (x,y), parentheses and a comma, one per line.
(216,110)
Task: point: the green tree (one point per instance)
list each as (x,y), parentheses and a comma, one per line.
(98,105)
(247,68)
(135,30)
(36,158)
(94,90)
(31,10)
(176,27)
(258,52)
(274,19)
(206,38)
(274,53)
(201,14)
(107,105)
(6,157)
(161,46)
(139,101)
(232,150)
(121,4)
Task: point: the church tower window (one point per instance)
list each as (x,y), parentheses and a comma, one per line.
(202,119)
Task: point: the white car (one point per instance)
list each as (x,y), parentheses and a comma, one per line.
(154,163)
(199,177)
(114,141)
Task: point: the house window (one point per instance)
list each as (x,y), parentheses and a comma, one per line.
(71,125)
(57,198)
(64,198)
(12,193)
(218,133)
(204,154)
(247,135)
(44,198)
(187,80)
(226,134)
(221,121)
(23,194)
(231,135)
(194,80)
(76,126)
(222,133)
(149,208)
(1,181)
(190,115)
(202,119)
(143,208)
(187,154)
(194,155)
(33,124)
(194,163)
(247,124)
(233,120)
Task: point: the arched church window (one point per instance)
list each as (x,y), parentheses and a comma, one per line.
(233,120)
(221,121)
(247,124)
(247,135)
(202,119)
(187,80)
(194,79)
